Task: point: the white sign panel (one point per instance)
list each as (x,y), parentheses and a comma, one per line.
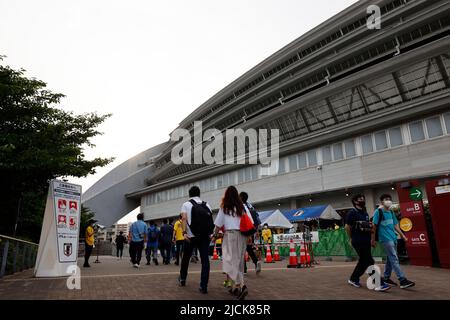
(67,201)
(297,237)
(443,189)
(58,245)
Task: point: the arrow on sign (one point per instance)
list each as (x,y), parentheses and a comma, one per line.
(417,194)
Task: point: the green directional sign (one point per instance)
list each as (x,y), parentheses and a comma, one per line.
(416,194)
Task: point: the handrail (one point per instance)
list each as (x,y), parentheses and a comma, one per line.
(19,240)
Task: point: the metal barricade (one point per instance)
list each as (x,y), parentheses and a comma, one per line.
(16,255)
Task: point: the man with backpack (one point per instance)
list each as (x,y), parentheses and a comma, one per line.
(166,241)
(251,240)
(359,230)
(152,243)
(385,230)
(198,226)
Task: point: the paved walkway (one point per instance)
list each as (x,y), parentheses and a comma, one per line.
(113,279)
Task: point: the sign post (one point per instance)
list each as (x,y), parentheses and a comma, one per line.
(413,224)
(58,245)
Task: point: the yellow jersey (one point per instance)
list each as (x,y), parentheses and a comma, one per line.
(219,241)
(178,231)
(89,236)
(267,235)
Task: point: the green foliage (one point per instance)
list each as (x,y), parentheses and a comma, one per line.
(38,142)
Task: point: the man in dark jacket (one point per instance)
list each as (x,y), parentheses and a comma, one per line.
(120,241)
(166,241)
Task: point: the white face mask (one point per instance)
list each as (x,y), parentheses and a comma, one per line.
(387,203)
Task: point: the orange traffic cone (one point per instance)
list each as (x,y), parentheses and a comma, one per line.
(305,258)
(215,255)
(276,255)
(268,255)
(293,260)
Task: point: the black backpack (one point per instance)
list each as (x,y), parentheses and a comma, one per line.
(202,224)
(255,216)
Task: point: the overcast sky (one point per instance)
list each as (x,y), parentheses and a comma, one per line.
(149,63)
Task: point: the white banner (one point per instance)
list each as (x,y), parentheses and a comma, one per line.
(297,237)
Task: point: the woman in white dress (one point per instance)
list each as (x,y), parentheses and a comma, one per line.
(234,243)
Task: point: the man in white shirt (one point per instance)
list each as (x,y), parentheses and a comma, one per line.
(197,234)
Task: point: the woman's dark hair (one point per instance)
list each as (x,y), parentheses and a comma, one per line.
(244,196)
(232,203)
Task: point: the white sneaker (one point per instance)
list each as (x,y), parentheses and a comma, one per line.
(136,265)
(258,267)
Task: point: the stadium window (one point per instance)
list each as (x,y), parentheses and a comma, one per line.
(350,150)
(220,181)
(367,144)
(395,137)
(282,165)
(416,131)
(212,183)
(302,163)
(447,122)
(434,127)
(326,154)
(293,165)
(241,176)
(312,158)
(254,170)
(381,140)
(338,153)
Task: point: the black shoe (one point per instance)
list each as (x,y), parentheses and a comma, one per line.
(155,261)
(86,265)
(405,283)
(177,263)
(148,263)
(182,283)
(390,282)
(242,293)
(203,290)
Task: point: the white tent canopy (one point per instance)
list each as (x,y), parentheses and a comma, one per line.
(275,219)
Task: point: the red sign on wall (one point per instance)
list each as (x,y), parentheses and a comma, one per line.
(418,245)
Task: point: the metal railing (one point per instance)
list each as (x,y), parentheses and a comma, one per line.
(16,255)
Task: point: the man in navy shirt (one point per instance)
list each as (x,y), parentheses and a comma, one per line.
(359,230)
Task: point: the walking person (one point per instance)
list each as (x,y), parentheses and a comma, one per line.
(138,236)
(198,226)
(385,228)
(178,239)
(120,241)
(152,243)
(251,240)
(359,230)
(166,241)
(89,242)
(234,243)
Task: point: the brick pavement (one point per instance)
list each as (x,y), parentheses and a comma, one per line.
(113,279)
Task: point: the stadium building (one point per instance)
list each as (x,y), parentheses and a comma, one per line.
(358,110)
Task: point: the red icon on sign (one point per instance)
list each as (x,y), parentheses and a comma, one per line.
(62,204)
(62,221)
(72,205)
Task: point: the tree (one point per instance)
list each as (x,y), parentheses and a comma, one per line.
(38,142)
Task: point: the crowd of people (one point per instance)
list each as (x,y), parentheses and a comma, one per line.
(195,231)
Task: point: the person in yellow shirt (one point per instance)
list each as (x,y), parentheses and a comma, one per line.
(219,247)
(89,242)
(267,234)
(178,239)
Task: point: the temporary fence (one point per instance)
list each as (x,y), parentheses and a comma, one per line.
(332,243)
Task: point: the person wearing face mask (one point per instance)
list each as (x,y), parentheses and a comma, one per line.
(359,230)
(385,225)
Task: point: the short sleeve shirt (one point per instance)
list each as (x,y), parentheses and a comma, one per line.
(358,236)
(187,208)
(138,230)
(228,221)
(386,230)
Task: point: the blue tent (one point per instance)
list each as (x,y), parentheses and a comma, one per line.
(310,213)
